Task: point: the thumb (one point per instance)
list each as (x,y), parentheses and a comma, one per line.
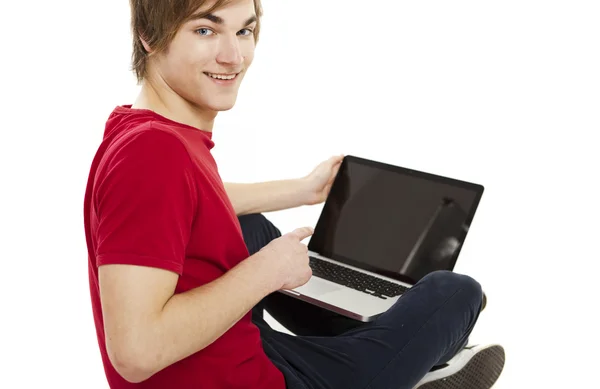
(338,158)
(302,233)
(332,161)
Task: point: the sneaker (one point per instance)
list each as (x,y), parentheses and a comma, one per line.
(474,367)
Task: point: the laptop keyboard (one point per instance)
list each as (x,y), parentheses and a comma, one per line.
(354,279)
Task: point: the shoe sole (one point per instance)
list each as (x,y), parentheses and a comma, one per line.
(480,372)
(483,302)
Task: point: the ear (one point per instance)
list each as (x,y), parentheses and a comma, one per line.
(145,44)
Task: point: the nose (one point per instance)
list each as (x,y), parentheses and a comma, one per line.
(230,52)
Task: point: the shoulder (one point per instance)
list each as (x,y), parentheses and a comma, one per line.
(145,159)
(146,136)
(147,145)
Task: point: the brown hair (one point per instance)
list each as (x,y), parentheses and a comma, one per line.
(157,21)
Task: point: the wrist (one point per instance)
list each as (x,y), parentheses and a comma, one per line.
(263,267)
(304,191)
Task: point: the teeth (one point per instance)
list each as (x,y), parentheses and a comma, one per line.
(221,77)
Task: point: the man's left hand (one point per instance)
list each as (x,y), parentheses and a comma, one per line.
(318,182)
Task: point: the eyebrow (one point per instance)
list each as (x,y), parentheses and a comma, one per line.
(218,20)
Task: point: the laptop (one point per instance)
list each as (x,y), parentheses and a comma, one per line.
(381,230)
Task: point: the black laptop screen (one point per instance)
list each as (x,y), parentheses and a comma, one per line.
(402,223)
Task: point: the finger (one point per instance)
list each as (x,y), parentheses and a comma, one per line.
(334,174)
(336,168)
(302,233)
(336,159)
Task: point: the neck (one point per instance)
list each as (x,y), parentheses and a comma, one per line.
(160,98)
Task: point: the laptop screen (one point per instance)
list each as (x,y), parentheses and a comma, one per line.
(398,222)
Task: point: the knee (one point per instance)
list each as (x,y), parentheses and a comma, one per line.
(257,226)
(450,282)
(252,219)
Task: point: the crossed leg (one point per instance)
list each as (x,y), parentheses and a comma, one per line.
(428,326)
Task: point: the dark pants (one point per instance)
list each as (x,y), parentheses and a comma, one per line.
(425,328)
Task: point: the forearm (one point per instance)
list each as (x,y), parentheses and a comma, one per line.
(193,320)
(267,196)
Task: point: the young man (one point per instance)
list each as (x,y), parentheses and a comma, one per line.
(178,282)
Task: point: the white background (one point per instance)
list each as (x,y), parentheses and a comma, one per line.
(505,94)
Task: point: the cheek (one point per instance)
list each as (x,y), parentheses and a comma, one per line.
(248,53)
(186,70)
(191,58)
(248,58)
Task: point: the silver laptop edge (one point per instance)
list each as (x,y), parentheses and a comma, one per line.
(342,299)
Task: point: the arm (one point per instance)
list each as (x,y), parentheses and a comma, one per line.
(151,328)
(284,194)
(268,196)
(146,200)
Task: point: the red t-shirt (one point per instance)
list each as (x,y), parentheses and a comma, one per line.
(155,198)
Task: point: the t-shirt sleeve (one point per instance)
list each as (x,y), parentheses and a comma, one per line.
(146,201)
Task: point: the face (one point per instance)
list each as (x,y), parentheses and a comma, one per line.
(208,58)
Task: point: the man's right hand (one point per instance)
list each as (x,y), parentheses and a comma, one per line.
(155,327)
(287,257)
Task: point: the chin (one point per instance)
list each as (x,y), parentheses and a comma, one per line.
(224,107)
(220,106)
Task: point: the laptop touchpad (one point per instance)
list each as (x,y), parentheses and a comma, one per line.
(317,287)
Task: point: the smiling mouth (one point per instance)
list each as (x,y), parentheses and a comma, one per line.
(225,77)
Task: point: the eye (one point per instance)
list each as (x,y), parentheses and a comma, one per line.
(204,31)
(245,32)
